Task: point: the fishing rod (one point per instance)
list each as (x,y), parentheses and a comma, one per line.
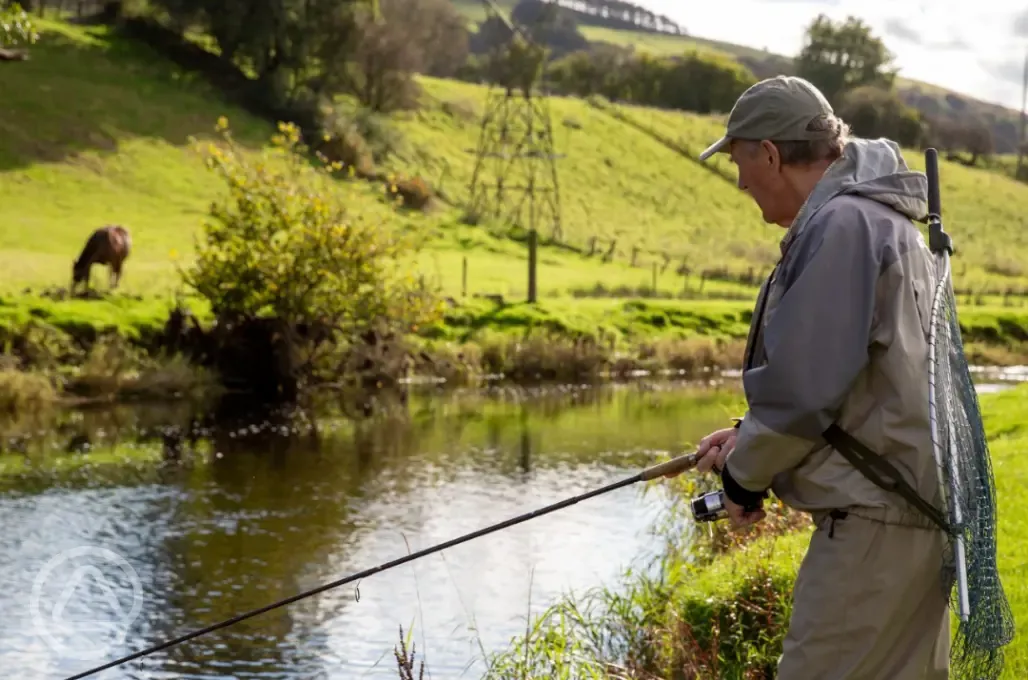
(671,467)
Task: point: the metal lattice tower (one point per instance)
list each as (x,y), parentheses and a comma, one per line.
(515,177)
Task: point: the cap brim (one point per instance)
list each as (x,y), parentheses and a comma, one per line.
(717,146)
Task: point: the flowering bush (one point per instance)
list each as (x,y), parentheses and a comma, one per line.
(16,27)
(281,244)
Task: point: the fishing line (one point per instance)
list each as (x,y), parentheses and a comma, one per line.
(675,465)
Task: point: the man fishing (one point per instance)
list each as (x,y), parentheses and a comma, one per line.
(840,335)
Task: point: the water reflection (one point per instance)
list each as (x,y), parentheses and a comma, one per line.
(217,520)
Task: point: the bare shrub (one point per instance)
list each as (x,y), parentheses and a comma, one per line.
(413,192)
(348,148)
(408,36)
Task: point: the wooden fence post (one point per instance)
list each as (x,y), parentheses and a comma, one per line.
(532,262)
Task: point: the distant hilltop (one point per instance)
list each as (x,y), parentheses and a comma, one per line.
(615,14)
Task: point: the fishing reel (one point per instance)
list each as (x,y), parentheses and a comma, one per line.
(709,507)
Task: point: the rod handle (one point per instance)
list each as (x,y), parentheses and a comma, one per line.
(931,171)
(675,465)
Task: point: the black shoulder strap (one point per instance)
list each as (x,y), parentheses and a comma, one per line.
(873,466)
(756,332)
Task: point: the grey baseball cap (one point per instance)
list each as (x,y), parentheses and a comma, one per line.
(779,109)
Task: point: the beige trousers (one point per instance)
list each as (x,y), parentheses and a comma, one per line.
(869,604)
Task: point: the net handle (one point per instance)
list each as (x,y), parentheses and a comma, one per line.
(938,240)
(931,171)
(940,244)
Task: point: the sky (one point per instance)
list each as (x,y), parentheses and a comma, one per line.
(973,47)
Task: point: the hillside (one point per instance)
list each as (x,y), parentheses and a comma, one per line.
(929,99)
(618,181)
(121,156)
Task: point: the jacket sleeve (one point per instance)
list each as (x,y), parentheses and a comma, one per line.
(816,344)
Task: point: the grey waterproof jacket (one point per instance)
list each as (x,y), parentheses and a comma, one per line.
(843,338)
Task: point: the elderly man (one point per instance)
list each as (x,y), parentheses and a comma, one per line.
(839,336)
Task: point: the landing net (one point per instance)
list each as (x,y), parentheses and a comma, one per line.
(985,622)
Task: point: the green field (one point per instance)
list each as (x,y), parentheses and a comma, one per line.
(121,155)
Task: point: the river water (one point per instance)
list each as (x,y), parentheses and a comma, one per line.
(170,547)
(142,545)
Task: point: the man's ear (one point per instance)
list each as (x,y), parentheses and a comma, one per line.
(770,154)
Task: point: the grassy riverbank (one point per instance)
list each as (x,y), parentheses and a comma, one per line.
(58,350)
(719,613)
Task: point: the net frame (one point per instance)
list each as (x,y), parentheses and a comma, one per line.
(966,483)
(946,467)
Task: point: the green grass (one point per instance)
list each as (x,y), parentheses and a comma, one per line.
(1008,434)
(982,210)
(620,182)
(121,156)
(656,617)
(615,182)
(634,320)
(127,315)
(118,155)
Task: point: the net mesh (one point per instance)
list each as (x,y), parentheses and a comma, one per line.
(966,477)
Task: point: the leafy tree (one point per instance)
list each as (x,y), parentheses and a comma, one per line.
(296,48)
(280,244)
(602,70)
(971,136)
(704,83)
(695,81)
(550,25)
(978,140)
(546,24)
(873,111)
(838,57)
(517,66)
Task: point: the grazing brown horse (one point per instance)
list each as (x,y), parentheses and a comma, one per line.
(108,245)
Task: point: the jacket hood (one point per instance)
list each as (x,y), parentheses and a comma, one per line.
(874,169)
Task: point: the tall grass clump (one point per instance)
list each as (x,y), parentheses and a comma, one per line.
(115,369)
(714,604)
(22,391)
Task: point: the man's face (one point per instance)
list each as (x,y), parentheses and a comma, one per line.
(760,176)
